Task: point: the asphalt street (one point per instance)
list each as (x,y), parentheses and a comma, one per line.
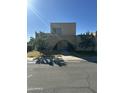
(75,77)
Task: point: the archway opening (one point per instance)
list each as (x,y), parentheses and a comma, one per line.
(64,45)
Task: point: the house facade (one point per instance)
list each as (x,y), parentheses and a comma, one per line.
(62,36)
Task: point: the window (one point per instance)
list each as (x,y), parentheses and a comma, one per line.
(56,31)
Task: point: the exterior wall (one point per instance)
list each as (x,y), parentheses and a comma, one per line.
(63,28)
(54,39)
(62,31)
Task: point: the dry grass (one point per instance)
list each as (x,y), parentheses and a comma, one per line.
(34,54)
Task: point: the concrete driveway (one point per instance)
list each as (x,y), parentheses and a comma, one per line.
(75,77)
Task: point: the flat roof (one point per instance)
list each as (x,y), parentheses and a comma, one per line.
(63,23)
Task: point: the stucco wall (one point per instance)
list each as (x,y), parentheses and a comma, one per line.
(54,39)
(66,28)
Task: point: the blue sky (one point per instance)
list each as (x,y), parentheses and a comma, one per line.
(40,13)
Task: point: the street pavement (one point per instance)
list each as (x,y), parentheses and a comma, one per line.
(75,77)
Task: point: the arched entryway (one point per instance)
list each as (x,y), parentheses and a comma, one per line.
(64,45)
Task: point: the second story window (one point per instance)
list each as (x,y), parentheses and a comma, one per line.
(57,31)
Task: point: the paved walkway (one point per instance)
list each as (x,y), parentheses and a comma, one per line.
(72,59)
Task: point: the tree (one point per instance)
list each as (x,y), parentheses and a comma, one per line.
(29,48)
(41,42)
(38,43)
(31,44)
(87,40)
